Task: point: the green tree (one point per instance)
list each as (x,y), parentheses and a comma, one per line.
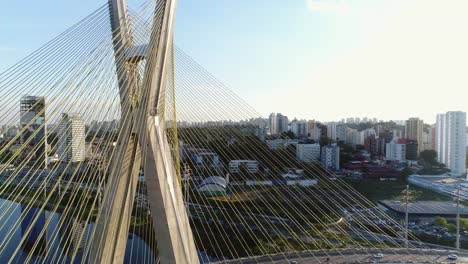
(464,223)
(288,135)
(429,156)
(406,172)
(325,141)
(451,227)
(440,221)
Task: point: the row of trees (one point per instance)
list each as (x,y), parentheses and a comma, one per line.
(441,221)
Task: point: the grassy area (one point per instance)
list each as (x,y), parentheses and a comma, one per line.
(376,190)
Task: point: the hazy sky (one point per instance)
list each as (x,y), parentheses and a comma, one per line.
(322,59)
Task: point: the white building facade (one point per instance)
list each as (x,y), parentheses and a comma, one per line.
(277,123)
(299,128)
(250,165)
(451,141)
(308,152)
(72,138)
(330,157)
(395,151)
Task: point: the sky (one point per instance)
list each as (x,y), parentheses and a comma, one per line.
(313,59)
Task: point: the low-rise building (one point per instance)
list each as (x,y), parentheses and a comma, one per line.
(250,165)
(308,152)
(280,143)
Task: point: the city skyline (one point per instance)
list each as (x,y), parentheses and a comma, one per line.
(120,129)
(373,63)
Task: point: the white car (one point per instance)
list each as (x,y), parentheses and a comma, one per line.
(452,256)
(378,255)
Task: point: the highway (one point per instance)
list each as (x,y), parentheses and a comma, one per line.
(349,256)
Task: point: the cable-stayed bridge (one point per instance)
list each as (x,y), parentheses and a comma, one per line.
(119,147)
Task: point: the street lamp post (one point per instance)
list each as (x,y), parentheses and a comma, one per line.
(458,218)
(406,216)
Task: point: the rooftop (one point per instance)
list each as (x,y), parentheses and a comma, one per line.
(447,208)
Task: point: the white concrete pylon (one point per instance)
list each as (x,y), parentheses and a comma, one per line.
(170,219)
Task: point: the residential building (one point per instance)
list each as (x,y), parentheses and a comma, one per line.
(412,149)
(278,123)
(395,151)
(414,128)
(32,120)
(353,137)
(250,165)
(369,132)
(350,120)
(341,132)
(323,130)
(280,143)
(331,130)
(398,133)
(314,131)
(72,138)
(308,152)
(451,141)
(200,157)
(330,156)
(336,131)
(370,144)
(299,127)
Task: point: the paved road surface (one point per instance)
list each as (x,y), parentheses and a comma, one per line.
(359,256)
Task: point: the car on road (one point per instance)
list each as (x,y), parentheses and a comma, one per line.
(378,255)
(452,257)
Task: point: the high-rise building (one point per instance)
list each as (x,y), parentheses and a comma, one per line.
(299,127)
(398,133)
(272,124)
(414,129)
(323,130)
(341,131)
(32,123)
(72,138)
(278,123)
(451,141)
(313,130)
(308,152)
(370,144)
(395,151)
(330,156)
(336,131)
(353,137)
(429,139)
(412,149)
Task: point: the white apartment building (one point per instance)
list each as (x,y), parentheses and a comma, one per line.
(277,123)
(330,157)
(299,127)
(315,133)
(308,152)
(251,165)
(280,143)
(353,136)
(72,138)
(451,141)
(395,151)
(341,132)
